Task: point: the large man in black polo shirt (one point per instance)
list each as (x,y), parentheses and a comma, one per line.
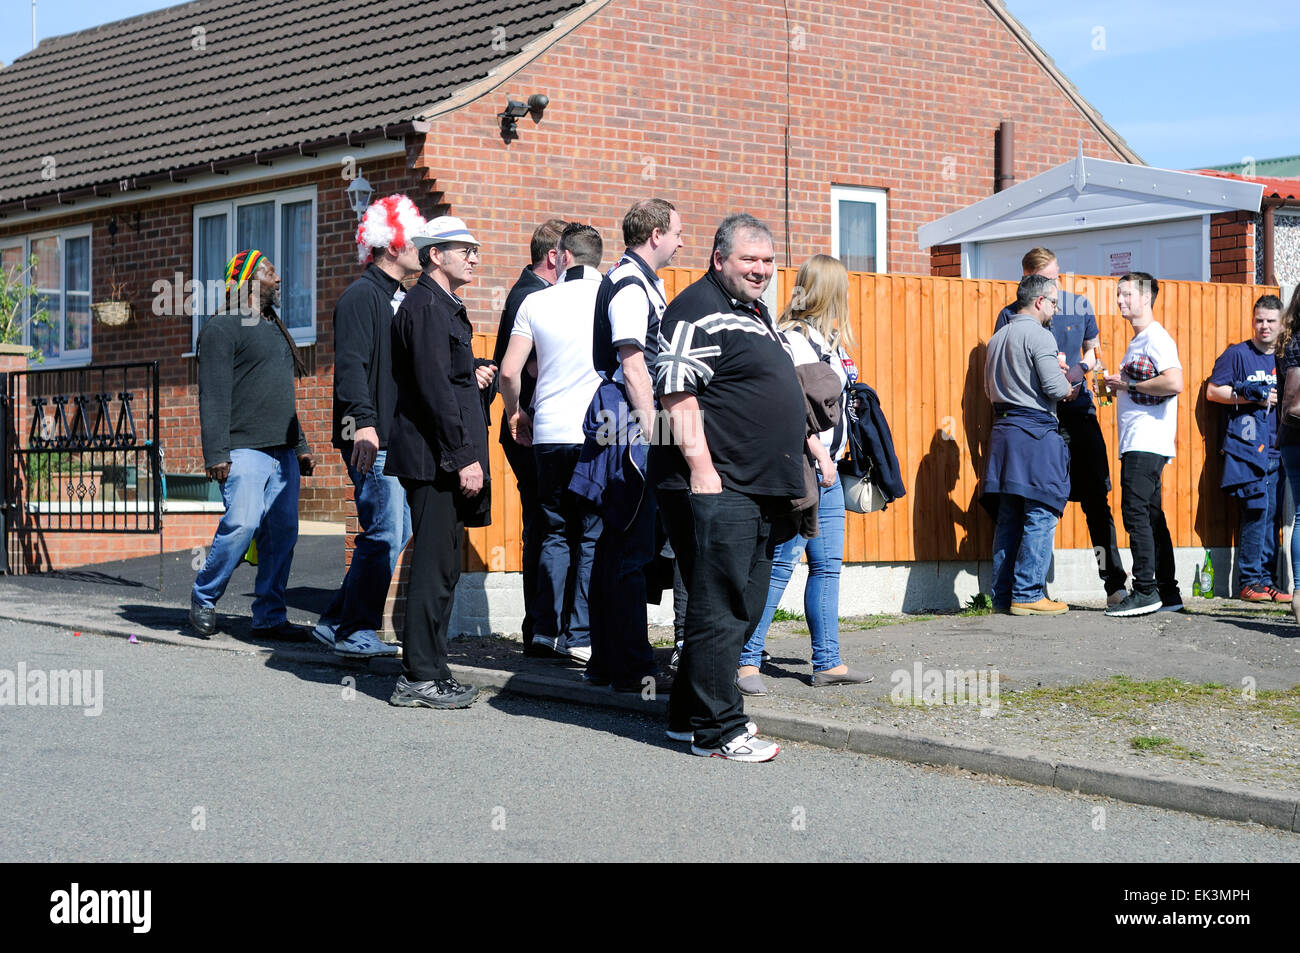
(726,378)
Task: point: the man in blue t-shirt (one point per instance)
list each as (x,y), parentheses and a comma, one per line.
(1075,329)
(1245,380)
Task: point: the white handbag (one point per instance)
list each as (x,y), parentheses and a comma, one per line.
(861,495)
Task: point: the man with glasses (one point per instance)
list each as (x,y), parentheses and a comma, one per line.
(1074,325)
(1026,480)
(437,447)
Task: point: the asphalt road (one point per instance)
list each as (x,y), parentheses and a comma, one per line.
(209,755)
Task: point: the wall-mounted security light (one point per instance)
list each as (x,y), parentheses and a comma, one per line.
(515,110)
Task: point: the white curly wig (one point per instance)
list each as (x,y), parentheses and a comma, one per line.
(388,223)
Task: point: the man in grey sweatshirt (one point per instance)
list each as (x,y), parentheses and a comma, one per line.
(1026,482)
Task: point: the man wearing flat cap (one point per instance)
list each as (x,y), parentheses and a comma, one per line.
(252,445)
(437,447)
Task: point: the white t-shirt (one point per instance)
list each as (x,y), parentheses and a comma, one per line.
(558,320)
(629,315)
(836,439)
(1148,424)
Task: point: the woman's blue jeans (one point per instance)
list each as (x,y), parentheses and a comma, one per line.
(821,594)
(1291,464)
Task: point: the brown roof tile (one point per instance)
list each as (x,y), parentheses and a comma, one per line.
(135,98)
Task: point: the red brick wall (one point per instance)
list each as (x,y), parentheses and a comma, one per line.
(164,245)
(1232,247)
(33,551)
(945,261)
(686,100)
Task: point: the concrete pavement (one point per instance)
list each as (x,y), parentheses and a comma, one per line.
(1240,766)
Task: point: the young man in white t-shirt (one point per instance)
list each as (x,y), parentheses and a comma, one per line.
(555,324)
(1148,383)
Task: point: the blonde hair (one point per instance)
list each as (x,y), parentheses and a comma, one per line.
(820,300)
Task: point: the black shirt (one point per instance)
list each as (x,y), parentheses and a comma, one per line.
(363,366)
(526,284)
(738,366)
(246,395)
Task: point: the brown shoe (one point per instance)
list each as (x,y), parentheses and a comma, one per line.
(1043,606)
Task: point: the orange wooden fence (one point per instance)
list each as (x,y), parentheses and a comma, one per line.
(920,344)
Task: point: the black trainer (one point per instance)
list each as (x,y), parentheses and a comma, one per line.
(657,684)
(440,693)
(286,631)
(1171,601)
(203,618)
(1136,603)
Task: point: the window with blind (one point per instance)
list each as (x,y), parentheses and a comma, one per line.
(55,315)
(858,228)
(282,226)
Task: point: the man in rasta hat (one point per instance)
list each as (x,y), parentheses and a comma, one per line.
(252,445)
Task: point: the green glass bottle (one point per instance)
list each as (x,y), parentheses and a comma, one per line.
(1205,578)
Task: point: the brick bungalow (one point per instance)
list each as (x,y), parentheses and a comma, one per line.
(138,155)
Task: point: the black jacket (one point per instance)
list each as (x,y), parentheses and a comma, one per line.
(438,425)
(871,444)
(526,284)
(363,376)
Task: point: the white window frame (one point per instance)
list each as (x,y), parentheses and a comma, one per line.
(301,336)
(83,356)
(868,196)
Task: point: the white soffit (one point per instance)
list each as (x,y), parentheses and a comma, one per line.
(1086,193)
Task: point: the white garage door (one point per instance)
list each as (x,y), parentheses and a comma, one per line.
(1177,251)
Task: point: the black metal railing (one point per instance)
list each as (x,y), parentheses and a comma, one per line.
(83,453)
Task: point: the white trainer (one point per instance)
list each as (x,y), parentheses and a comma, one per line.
(746,747)
(364,643)
(690,735)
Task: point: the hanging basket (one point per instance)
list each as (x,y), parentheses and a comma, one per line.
(112,313)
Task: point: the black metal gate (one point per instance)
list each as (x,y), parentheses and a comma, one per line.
(81,451)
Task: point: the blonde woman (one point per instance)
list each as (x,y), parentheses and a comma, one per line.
(816,325)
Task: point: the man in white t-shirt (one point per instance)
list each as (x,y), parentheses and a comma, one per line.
(555,324)
(1148,383)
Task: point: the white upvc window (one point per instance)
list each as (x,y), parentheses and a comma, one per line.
(282,225)
(859,217)
(59,285)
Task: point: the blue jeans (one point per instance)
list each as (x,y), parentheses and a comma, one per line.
(1291,467)
(821,594)
(385,520)
(261,497)
(1257,538)
(1022,550)
(569,529)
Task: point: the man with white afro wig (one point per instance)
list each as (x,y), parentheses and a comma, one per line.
(388,223)
(364,398)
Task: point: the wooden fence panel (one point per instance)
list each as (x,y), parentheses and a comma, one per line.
(920,342)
